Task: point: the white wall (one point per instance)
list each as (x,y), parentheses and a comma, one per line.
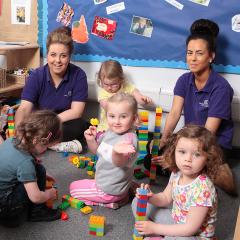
(158,83)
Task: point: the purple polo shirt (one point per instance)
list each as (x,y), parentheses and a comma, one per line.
(40,90)
(214,100)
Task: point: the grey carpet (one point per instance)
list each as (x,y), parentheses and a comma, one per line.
(119,223)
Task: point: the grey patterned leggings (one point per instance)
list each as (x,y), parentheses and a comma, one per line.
(160,215)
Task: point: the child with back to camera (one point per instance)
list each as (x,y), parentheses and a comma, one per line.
(22,177)
(194,157)
(111,80)
(117,151)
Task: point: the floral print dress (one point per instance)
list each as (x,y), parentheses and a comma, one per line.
(200,192)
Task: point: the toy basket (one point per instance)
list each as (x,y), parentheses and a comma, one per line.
(14,78)
(3,81)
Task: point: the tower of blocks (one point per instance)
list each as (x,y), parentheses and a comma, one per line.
(141,210)
(142,136)
(96,225)
(11,124)
(156,139)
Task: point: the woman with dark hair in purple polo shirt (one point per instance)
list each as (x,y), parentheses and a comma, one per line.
(204,95)
(59,86)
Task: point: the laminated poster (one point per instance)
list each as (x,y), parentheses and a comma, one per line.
(65,14)
(99,1)
(104,27)
(141,26)
(20,12)
(79,31)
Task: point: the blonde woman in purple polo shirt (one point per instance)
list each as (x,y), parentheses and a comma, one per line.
(204,95)
(59,86)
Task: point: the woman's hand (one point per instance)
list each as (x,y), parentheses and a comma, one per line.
(145,99)
(145,227)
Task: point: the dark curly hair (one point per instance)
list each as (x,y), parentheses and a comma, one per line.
(43,125)
(207,144)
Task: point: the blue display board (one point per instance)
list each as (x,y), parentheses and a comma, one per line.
(165,47)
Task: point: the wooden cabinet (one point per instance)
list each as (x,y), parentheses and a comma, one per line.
(27,56)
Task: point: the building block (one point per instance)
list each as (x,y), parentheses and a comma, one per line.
(74,203)
(94,121)
(96,225)
(64,205)
(64,216)
(139,175)
(86,210)
(79,161)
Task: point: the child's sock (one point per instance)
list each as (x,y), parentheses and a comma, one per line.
(109,205)
(114,205)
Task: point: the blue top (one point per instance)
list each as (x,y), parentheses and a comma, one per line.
(214,100)
(40,90)
(15,166)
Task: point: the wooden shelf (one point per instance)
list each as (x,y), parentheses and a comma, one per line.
(4,48)
(17,56)
(11,87)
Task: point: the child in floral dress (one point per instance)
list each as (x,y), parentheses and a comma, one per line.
(194,158)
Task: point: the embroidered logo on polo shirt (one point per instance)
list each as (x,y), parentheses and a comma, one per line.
(69,94)
(204,104)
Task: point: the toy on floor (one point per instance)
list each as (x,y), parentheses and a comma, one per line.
(86,210)
(138,174)
(64,205)
(141,210)
(96,225)
(79,161)
(65,154)
(64,216)
(156,140)
(75,203)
